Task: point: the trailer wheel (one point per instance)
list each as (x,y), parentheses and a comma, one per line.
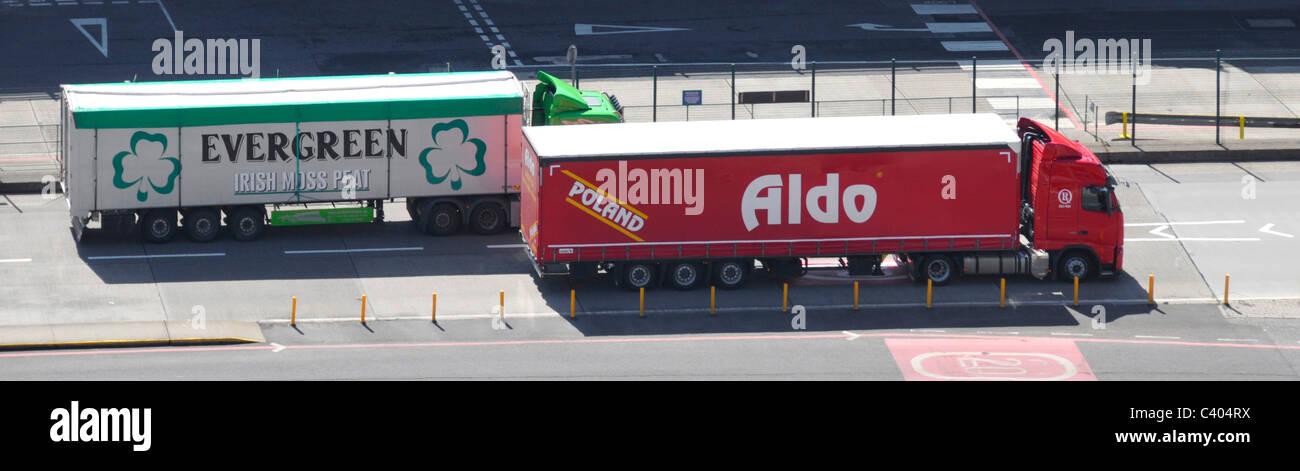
(202,224)
(731,274)
(442,219)
(940,269)
(488,218)
(1076,263)
(684,276)
(638,275)
(247,223)
(158,225)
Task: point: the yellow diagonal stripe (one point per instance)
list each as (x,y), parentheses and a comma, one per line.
(606,195)
(602,219)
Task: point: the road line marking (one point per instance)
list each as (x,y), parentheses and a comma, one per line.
(1027,103)
(973,46)
(15,260)
(386,249)
(174,255)
(1268,229)
(1161,337)
(1072,334)
(1237,340)
(1187,223)
(937,9)
(507,246)
(1195,239)
(940,331)
(964,27)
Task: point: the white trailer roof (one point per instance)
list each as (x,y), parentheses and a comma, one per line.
(234,101)
(770,135)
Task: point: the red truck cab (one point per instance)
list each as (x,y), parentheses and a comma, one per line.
(1069,208)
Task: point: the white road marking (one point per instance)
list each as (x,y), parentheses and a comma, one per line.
(939,9)
(982,82)
(1268,229)
(507,246)
(937,331)
(1002,65)
(952,28)
(277,348)
(1237,340)
(1160,231)
(973,46)
(582,29)
(851,335)
(1186,223)
(1196,239)
(1072,334)
(174,255)
(1160,337)
(387,249)
(15,260)
(879,27)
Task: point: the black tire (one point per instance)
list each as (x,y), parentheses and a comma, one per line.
(731,274)
(488,218)
(939,269)
(440,219)
(639,275)
(685,275)
(1076,263)
(247,223)
(202,224)
(158,225)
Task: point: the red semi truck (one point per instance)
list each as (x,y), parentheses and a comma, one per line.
(688,202)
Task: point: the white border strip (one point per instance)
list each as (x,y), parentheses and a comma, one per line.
(15,260)
(174,255)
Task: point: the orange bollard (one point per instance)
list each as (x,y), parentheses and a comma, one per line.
(293,315)
(363,309)
(435,308)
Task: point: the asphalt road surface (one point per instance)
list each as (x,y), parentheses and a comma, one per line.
(80,41)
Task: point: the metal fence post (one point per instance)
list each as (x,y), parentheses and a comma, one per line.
(654,100)
(813,98)
(1056,113)
(1218,68)
(1133,130)
(973,71)
(893,86)
(733,92)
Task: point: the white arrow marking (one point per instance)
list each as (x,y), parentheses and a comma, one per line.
(102,43)
(587,30)
(876,27)
(1160,231)
(1268,229)
(277,348)
(851,335)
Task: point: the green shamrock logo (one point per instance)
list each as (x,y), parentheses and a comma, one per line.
(140,165)
(452,152)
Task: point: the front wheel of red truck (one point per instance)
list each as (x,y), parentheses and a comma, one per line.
(1075,264)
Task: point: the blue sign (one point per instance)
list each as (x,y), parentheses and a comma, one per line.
(692,97)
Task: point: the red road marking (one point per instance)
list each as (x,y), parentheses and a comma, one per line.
(997,359)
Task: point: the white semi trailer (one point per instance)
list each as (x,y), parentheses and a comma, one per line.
(173,157)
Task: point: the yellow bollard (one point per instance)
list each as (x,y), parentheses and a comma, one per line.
(1225,290)
(1241,123)
(363,309)
(1076,291)
(929,290)
(435,308)
(1151,289)
(1002,298)
(573,303)
(785,296)
(1123,134)
(293,315)
(855,295)
(642,302)
(503,305)
(713,300)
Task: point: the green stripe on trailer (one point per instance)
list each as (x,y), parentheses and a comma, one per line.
(306,217)
(297,112)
